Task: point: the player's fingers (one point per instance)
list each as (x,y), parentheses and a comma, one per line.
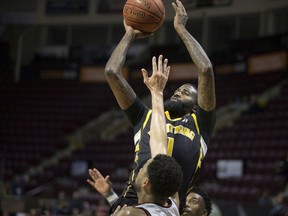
(181,7)
(117,209)
(90,182)
(145,75)
(165,64)
(175,7)
(92,174)
(107,178)
(97,173)
(154,64)
(184,11)
(167,71)
(123,206)
(160,63)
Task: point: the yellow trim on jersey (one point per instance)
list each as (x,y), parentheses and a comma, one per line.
(197,167)
(125,193)
(170,146)
(137,147)
(200,159)
(168,117)
(147,118)
(133,174)
(196,123)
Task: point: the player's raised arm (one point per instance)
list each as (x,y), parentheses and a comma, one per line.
(123,92)
(156,84)
(206,86)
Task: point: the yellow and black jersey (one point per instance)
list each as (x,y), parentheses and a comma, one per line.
(187,139)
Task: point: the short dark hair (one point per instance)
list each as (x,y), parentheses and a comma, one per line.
(165,175)
(204,195)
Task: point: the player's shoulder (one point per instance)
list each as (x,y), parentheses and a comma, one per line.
(130,210)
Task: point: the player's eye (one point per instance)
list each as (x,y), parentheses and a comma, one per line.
(186,93)
(194,201)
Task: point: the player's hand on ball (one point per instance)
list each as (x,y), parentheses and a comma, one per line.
(137,33)
(181,16)
(145,16)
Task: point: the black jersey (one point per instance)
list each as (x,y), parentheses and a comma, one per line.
(185,143)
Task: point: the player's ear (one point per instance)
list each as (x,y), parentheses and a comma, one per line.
(205,212)
(147,185)
(146,181)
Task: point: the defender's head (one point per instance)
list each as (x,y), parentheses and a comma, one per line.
(160,177)
(197,203)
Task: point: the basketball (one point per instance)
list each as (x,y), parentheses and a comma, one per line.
(144,15)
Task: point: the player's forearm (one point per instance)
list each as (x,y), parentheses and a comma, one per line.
(158,135)
(118,57)
(195,50)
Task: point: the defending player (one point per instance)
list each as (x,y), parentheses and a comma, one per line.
(161,176)
(190,115)
(197,203)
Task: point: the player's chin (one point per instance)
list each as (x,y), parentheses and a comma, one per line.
(186,212)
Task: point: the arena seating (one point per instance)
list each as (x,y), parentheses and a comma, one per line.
(259,138)
(36,116)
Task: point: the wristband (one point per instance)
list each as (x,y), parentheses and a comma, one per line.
(111,197)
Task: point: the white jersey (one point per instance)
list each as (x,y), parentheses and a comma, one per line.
(152,209)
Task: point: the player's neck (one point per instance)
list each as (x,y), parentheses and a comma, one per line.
(144,198)
(175,117)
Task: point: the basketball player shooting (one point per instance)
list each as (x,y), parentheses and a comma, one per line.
(190,113)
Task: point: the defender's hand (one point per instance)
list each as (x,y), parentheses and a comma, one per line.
(101,184)
(160,74)
(118,209)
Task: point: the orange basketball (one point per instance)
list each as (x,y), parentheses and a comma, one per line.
(144,15)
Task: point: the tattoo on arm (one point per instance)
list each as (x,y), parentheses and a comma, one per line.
(206,85)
